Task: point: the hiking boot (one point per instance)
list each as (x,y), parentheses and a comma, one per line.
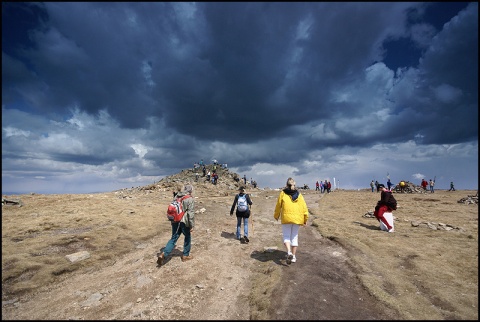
(246,239)
(186,258)
(160,259)
(294,259)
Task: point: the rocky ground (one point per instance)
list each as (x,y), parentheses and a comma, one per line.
(226,280)
(222,282)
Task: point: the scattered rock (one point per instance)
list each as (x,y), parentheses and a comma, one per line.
(75,257)
(469,200)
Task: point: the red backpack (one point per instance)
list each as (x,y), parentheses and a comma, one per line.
(175,210)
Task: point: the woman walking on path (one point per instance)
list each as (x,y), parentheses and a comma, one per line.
(243,203)
(292,208)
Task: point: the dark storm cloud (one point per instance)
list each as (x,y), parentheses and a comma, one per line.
(145,88)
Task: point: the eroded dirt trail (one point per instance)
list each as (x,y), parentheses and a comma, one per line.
(217,283)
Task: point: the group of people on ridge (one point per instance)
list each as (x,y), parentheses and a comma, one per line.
(323,186)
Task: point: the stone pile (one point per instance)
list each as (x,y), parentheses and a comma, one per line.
(435,226)
(469,200)
(410,188)
(228,181)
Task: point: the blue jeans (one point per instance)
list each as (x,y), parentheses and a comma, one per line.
(179,228)
(239,226)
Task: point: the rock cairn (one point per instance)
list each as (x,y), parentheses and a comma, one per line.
(410,188)
(228,182)
(469,200)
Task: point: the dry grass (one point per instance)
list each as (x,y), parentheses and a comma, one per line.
(37,236)
(424,273)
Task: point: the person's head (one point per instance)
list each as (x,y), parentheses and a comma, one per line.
(188,189)
(291,183)
(381,186)
(241,189)
(178,188)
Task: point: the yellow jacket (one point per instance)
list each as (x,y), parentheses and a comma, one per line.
(293,210)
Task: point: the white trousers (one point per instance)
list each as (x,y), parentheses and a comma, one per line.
(290,234)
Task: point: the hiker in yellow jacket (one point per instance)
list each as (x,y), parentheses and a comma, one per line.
(294,212)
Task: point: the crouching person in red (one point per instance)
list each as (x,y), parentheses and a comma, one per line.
(384,208)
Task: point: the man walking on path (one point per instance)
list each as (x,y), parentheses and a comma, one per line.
(185,226)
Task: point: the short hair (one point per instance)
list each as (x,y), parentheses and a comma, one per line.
(179,187)
(290,183)
(188,188)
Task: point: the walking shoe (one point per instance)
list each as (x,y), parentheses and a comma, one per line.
(294,259)
(160,259)
(186,258)
(289,258)
(246,239)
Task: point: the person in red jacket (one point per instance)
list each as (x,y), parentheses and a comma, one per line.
(424,184)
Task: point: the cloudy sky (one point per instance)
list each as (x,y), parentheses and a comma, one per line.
(103,96)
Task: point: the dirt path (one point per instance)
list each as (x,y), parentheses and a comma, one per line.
(226,280)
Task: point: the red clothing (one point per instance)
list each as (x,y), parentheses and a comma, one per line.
(379,211)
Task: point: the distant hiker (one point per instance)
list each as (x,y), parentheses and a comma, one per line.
(244,179)
(317,186)
(215,178)
(376,185)
(452,188)
(372,185)
(329,186)
(321,186)
(204,170)
(242,201)
(389,184)
(201,163)
(185,226)
(208,175)
(432,183)
(292,209)
(384,208)
(424,184)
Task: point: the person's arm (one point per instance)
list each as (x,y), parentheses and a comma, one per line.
(278,207)
(189,206)
(304,209)
(233,205)
(249,201)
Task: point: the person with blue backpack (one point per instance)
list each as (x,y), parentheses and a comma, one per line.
(243,203)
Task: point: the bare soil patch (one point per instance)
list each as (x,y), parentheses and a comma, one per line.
(347,268)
